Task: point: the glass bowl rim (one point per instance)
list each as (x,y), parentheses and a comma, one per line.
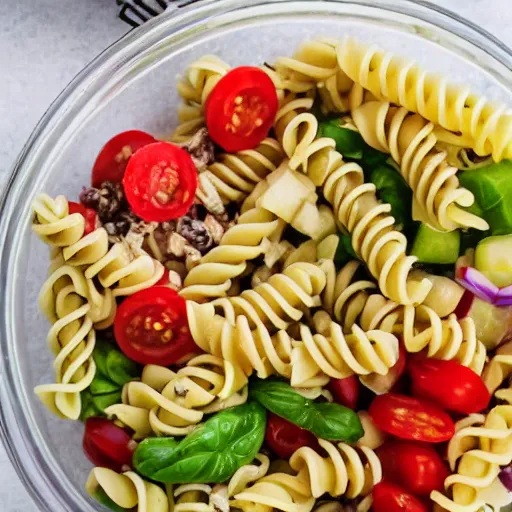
(179,15)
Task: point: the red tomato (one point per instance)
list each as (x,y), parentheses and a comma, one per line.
(107,445)
(416,466)
(111,161)
(88,214)
(345,391)
(160,182)
(388,497)
(411,418)
(448,384)
(284,437)
(241,109)
(151,327)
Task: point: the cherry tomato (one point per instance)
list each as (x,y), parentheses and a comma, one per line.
(151,327)
(284,437)
(345,391)
(241,109)
(107,445)
(111,161)
(411,418)
(416,466)
(88,214)
(388,497)
(448,384)
(160,182)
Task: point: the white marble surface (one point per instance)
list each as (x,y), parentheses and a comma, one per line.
(44,43)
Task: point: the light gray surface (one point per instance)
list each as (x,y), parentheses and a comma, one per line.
(44,43)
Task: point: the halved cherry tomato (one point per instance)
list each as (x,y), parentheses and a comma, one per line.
(160,182)
(411,418)
(241,109)
(448,384)
(345,391)
(416,466)
(107,445)
(388,497)
(284,438)
(111,161)
(88,214)
(151,327)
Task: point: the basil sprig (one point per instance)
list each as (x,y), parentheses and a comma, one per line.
(326,420)
(113,371)
(211,453)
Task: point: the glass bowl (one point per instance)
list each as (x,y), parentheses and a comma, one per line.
(132,85)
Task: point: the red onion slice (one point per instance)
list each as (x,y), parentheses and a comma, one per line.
(504,297)
(506,477)
(474,281)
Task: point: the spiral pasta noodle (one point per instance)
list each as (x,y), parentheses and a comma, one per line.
(128,490)
(54,224)
(172,404)
(63,299)
(234,175)
(244,241)
(194,87)
(345,471)
(200,498)
(497,371)
(411,142)
(485,127)
(275,492)
(88,250)
(357,209)
(477,450)
(125,271)
(339,356)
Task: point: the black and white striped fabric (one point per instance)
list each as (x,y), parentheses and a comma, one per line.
(137,12)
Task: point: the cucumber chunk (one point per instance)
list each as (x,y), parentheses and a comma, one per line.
(431,246)
(493,257)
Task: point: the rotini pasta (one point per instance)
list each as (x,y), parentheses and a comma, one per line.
(339,356)
(124,271)
(411,142)
(486,127)
(477,450)
(234,175)
(128,490)
(421,327)
(200,498)
(172,404)
(244,241)
(343,472)
(71,338)
(53,223)
(199,80)
(497,371)
(88,250)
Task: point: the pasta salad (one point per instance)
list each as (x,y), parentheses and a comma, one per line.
(300,301)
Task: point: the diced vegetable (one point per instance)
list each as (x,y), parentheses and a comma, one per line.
(285,195)
(492,188)
(493,258)
(307,220)
(431,246)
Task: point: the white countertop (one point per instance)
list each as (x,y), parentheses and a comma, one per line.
(44,43)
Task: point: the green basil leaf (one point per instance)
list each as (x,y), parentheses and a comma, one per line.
(119,368)
(153,454)
(336,423)
(100,355)
(327,421)
(211,453)
(101,385)
(102,497)
(101,402)
(89,409)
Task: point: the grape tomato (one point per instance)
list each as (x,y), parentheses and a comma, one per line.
(448,384)
(241,109)
(107,445)
(113,158)
(87,213)
(388,497)
(411,418)
(345,391)
(151,327)
(160,182)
